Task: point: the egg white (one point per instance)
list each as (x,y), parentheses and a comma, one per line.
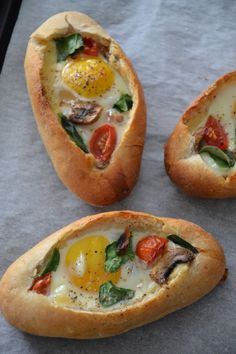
(62,97)
(134,275)
(222,108)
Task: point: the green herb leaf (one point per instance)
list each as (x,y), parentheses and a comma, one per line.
(52,263)
(223,158)
(68,45)
(231,157)
(109,294)
(113,261)
(72,131)
(124,104)
(129,255)
(181,242)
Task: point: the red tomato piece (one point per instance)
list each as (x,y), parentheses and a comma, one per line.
(90,47)
(41,284)
(150,247)
(215,134)
(103,142)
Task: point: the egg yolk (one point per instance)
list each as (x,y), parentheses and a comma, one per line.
(88,76)
(85,261)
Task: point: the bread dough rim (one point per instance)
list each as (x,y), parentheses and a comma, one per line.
(194,176)
(44,318)
(75,168)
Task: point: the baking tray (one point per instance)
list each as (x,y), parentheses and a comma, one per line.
(178,47)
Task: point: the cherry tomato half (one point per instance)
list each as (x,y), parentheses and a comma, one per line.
(150,247)
(41,284)
(103,142)
(215,134)
(90,47)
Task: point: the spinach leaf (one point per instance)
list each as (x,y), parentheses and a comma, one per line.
(231,157)
(52,263)
(113,261)
(72,131)
(223,158)
(124,104)
(68,45)
(109,294)
(181,242)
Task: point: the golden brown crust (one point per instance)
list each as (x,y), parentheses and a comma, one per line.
(194,176)
(202,276)
(76,169)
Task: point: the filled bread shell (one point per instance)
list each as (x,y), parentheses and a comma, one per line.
(36,314)
(77,170)
(183,163)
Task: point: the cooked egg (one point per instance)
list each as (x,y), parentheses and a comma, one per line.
(84,262)
(69,82)
(76,282)
(88,76)
(220,171)
(81,272)
(222,108)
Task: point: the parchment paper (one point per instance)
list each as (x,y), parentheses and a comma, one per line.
(178,47)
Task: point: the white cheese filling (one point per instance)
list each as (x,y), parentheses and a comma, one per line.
(222,108)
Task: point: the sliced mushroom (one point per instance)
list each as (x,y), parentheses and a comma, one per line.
(123,242)
(168,262)
(85,113)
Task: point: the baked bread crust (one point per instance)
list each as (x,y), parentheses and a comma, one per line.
(194,176)
(76,169)
(35,314)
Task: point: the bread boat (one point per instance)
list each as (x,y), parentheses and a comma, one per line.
(200,154)
(108,273)
(89,107)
